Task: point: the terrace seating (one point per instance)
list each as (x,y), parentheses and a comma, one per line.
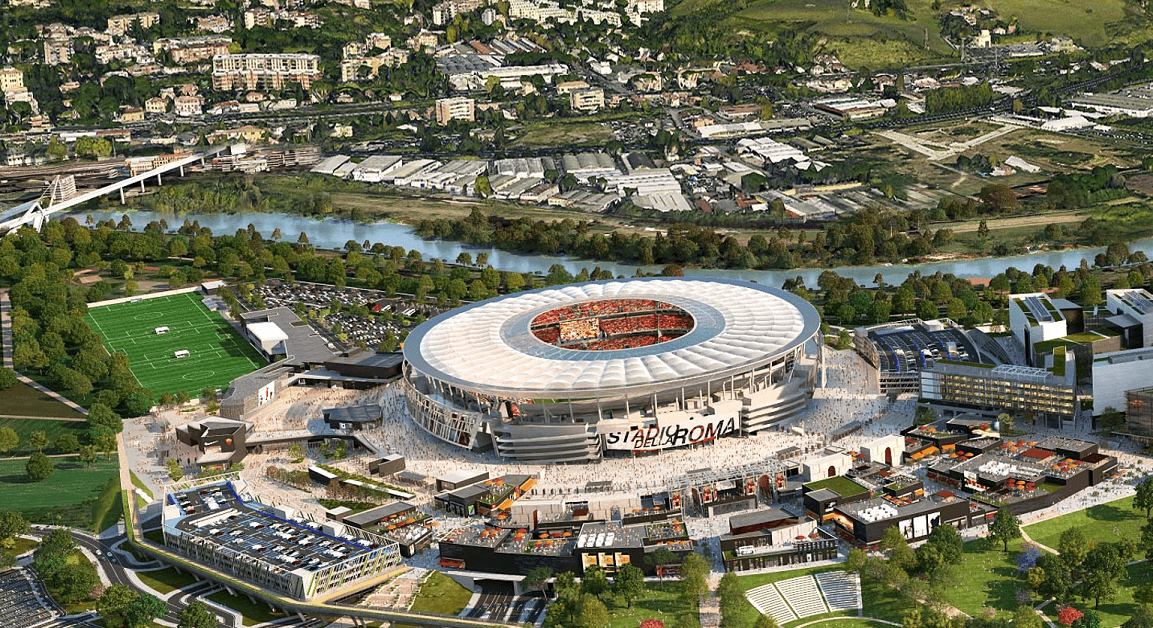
(20,603)
(842,589)
(803,596)
(768,601)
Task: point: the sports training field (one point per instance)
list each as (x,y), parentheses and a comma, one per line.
(217,354)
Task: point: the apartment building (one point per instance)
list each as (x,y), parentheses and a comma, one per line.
(11,80)
(188,105)
(587,99)
(264,71)
(57,50)
(449,109)
(191,49)
(119,24)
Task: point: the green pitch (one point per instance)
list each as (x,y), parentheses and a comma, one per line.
(217,354)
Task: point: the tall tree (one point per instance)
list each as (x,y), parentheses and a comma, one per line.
(196,615)
(1005,527)
(9,440)
(1104,565)
(629,583)
(1143,500)
(594,581)
(538,579)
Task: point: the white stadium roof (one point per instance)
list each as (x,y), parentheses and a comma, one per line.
(487,347)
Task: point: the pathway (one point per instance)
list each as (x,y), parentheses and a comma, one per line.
(6,328)
(821,621)
(40,418)
(1046,548)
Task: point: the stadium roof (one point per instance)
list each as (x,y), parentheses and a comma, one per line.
(487,346)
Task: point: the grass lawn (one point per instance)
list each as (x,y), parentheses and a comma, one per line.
(24,400)
(565,133)
(441,595)
(138,483)
(51,429)
(66,497)
(218,353)
(1105,523)
(166,580)
(23,545)
(986,578)
(156,536)
(106,510)
(254,613)
(659,601)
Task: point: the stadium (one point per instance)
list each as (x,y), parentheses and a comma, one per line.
(573,373)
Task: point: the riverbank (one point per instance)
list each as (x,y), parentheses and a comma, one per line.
(333,234)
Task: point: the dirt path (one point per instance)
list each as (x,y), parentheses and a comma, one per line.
(1027,221)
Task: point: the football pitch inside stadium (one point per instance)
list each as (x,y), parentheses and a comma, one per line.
(215,353)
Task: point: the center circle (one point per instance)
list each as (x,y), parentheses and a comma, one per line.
(611,324)
(147,316)
(198,375)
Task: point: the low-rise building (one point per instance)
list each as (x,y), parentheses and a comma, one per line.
(587,100)
(188,105)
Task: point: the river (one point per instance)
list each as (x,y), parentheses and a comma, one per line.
(333,234)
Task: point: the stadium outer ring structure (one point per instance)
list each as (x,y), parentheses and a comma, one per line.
(478,377)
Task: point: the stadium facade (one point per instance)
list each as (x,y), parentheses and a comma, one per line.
(566,374)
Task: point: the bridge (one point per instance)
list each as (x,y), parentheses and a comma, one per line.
(35,212)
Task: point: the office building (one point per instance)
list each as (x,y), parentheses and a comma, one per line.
(223,528)
(1047,395)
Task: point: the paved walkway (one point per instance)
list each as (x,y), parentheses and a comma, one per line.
(6,328)
(39,418)
(1025,537)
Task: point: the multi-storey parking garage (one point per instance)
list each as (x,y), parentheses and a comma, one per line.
(566,374)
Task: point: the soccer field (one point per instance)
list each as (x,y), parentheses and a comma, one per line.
(217,354)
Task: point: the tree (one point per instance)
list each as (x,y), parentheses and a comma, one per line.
(38,440)
(143,610)
(538,579)
(629,583)
(1068,616)
(8,378)
(593,613)
(9,440)
(899,552)
(1143,500)
(1072,548)
(659,559)
(1005,422)
(88,454)
(103,439)
(39,467)
(175,473)
(11,524)
(1026,617)
(75,582)
(100,415)
(595,582)
(67,443)
(1104,565)
(196,615)
(766,621)
(1005,527)
(1142,617)
(113,603)
(694,583)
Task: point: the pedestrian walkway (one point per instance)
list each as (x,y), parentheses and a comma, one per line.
(6,328)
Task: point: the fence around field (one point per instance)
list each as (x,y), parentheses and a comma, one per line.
(143,297)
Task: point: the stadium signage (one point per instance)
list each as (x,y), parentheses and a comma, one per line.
(694,430)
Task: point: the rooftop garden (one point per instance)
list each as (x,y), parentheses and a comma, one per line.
(838,484)
(964,363)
